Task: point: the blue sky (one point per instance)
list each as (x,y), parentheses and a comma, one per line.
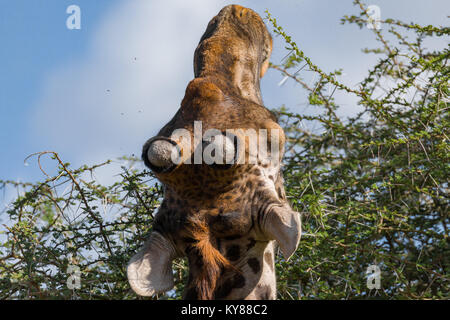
(34,42)
(100,92)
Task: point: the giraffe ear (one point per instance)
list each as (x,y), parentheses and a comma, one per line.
(150,270)
(283,224)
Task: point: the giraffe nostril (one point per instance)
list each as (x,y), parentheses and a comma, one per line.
(159,153)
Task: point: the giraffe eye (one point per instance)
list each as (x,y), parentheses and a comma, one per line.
(220,150)
(158,154)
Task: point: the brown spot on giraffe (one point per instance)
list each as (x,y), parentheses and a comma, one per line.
(233,252)
(268,259)
(254,265)
(225,216)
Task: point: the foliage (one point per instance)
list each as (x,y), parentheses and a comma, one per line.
(71,220)
(372,189)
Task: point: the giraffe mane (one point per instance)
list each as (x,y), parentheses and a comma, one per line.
(213,262)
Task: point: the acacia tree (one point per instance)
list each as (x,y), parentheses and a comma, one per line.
(372,188)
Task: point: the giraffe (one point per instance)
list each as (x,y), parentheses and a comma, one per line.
(225,216)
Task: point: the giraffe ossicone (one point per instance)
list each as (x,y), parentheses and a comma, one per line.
(224,205)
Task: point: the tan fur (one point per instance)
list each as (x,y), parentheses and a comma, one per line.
(213,261)
(216,215)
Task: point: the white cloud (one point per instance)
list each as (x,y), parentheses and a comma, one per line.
(127,86)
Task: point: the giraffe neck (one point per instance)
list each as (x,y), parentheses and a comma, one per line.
(253,277)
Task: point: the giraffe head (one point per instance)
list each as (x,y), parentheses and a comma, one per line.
(219,161)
